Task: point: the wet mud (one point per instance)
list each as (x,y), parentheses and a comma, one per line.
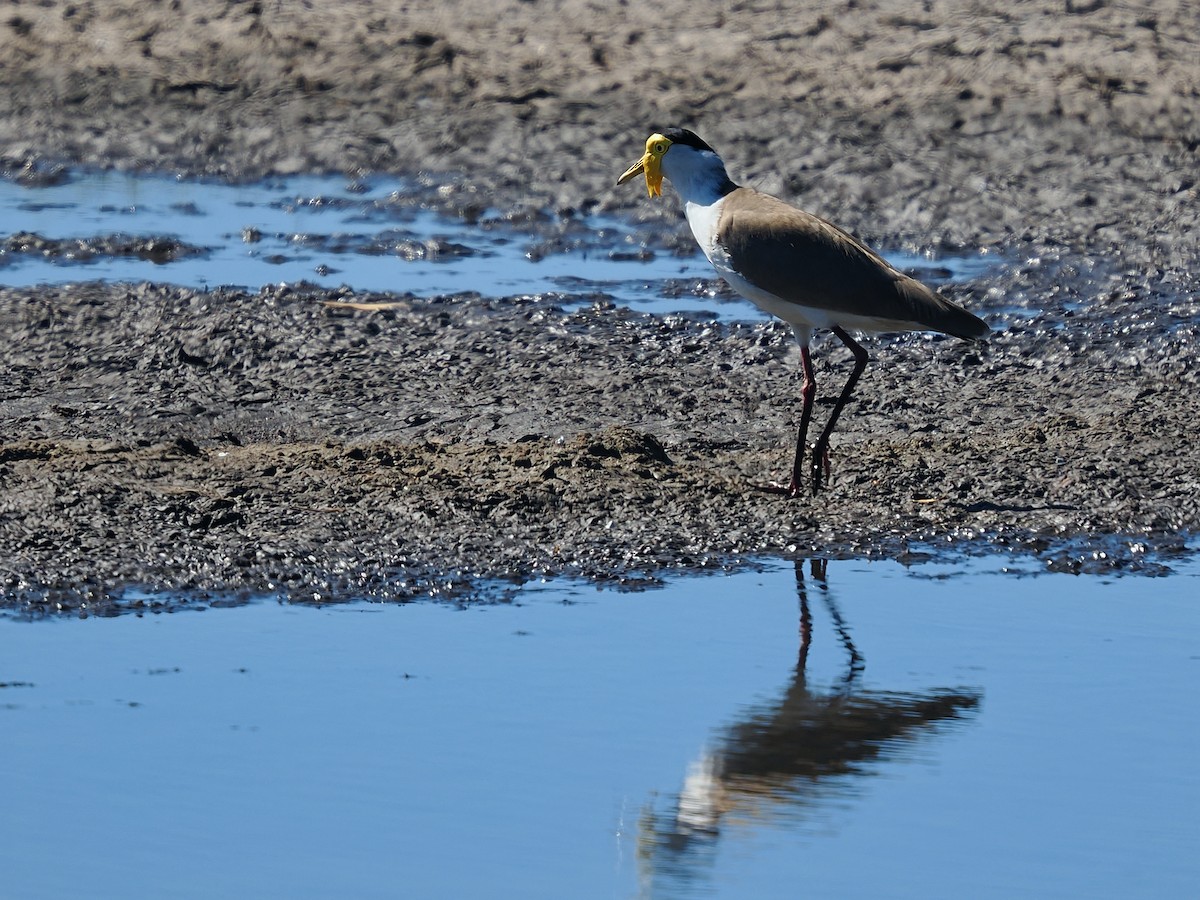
(331,443)
(161,249)
(331,446)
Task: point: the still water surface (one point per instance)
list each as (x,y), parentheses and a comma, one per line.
(368,235)
(862,731)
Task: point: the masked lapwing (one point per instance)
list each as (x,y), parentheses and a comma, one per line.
(796,266)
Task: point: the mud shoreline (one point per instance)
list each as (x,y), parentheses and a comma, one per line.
(226,442)
(241,443)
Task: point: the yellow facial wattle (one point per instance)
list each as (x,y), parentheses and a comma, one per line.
(649,165)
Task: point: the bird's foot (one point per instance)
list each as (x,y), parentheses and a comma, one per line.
(795,488)
(820,467)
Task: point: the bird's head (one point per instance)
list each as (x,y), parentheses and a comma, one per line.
(658,145)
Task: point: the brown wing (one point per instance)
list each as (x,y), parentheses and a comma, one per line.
(806,260)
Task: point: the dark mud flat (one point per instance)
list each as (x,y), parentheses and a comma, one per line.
(156,436)
(329,444)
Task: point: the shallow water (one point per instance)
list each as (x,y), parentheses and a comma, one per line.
(952,730)
(370,235)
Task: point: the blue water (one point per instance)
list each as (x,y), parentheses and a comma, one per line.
(944,731)
(955,731)
(325,231)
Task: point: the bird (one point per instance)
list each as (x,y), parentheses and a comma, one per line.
(798,267)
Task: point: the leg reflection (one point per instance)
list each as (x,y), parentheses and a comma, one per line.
(783,758)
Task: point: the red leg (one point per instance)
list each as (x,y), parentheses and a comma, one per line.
(808,391)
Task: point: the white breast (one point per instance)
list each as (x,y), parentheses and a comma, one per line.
(703,219)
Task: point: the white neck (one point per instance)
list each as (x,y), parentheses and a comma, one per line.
(698,175)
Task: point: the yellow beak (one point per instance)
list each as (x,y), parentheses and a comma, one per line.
(649,166)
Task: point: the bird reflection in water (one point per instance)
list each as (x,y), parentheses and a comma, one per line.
(779,759)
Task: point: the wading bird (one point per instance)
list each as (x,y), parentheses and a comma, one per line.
(796,266)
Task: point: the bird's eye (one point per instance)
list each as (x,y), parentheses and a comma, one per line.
(660,148)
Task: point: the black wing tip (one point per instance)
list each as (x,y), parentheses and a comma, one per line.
(979,334)
(976,332)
